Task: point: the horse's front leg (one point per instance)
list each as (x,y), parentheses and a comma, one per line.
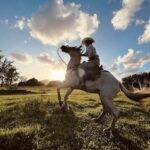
(59,96)
(69,91)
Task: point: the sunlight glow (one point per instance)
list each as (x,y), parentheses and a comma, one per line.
(58,75)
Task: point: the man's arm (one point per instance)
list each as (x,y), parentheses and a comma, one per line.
(85,54)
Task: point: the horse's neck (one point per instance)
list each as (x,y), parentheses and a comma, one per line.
(74,62)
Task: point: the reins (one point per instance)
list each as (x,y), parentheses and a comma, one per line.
(61,57)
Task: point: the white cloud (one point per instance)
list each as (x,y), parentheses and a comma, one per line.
(114,66)
(111,1)
(123,17)
(131,62)
(60,22)
(22,58)
(21,23)
(5,22)
(48,59)
(139,22)
(145,37)
(133,59)
(45,58)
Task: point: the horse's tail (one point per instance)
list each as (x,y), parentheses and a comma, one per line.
(134,96)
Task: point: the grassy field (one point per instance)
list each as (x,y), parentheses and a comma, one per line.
(34,121)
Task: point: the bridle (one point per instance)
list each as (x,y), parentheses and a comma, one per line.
(60,56)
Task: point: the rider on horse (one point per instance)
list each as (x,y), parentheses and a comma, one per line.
(92,65)
(90,53)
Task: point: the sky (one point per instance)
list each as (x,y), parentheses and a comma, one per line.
(32,30)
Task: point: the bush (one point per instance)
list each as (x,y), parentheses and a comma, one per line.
(30,82)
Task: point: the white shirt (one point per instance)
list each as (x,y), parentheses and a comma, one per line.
(90,50)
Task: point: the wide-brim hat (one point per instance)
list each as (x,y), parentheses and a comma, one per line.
(88,39)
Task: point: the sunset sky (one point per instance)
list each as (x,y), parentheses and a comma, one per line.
(32,30)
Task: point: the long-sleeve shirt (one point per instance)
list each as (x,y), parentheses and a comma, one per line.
(90,52)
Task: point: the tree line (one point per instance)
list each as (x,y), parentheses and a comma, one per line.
(9,75)
(138,81)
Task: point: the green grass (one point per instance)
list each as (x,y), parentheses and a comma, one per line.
(35,121)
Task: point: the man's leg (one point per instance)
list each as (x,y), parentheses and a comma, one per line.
(87,66)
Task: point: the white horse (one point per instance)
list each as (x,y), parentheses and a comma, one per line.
(107,86)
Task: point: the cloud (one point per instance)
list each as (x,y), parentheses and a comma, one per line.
(139,22)
(131,62)
(45,58)
(111,1)
(22,58)
(21,23)
(133,59)
(123,17)
(114,66)
(145,37)
(59,22)
(5,22)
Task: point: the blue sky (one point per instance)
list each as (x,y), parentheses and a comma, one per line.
(113,38)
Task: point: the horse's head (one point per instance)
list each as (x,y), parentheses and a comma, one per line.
(72,51)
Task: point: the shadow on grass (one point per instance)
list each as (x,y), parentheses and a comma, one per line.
(63,130)
(17,141)
(133,137)
(123,142)
(134,112)
(15,92)
(59,131)
(78,106)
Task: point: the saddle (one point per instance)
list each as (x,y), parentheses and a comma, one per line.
(93,73)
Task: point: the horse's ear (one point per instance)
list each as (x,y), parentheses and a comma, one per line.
(62,46)
(65,48)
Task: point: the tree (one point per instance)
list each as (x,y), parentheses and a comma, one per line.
(8,72)
(11,75)
(33,82)
(53,83)
(23,78)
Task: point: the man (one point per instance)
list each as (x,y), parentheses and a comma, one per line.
(90,53)
(92,65)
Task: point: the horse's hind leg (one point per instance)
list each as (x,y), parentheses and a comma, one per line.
(111,109)
(115,114)
(100,118)
(114,122)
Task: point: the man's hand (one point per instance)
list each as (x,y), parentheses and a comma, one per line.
(84,55)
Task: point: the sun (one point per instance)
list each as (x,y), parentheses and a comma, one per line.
(57,75)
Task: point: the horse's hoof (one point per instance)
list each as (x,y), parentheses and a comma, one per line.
(60,103)
(107,130)
(64,108)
